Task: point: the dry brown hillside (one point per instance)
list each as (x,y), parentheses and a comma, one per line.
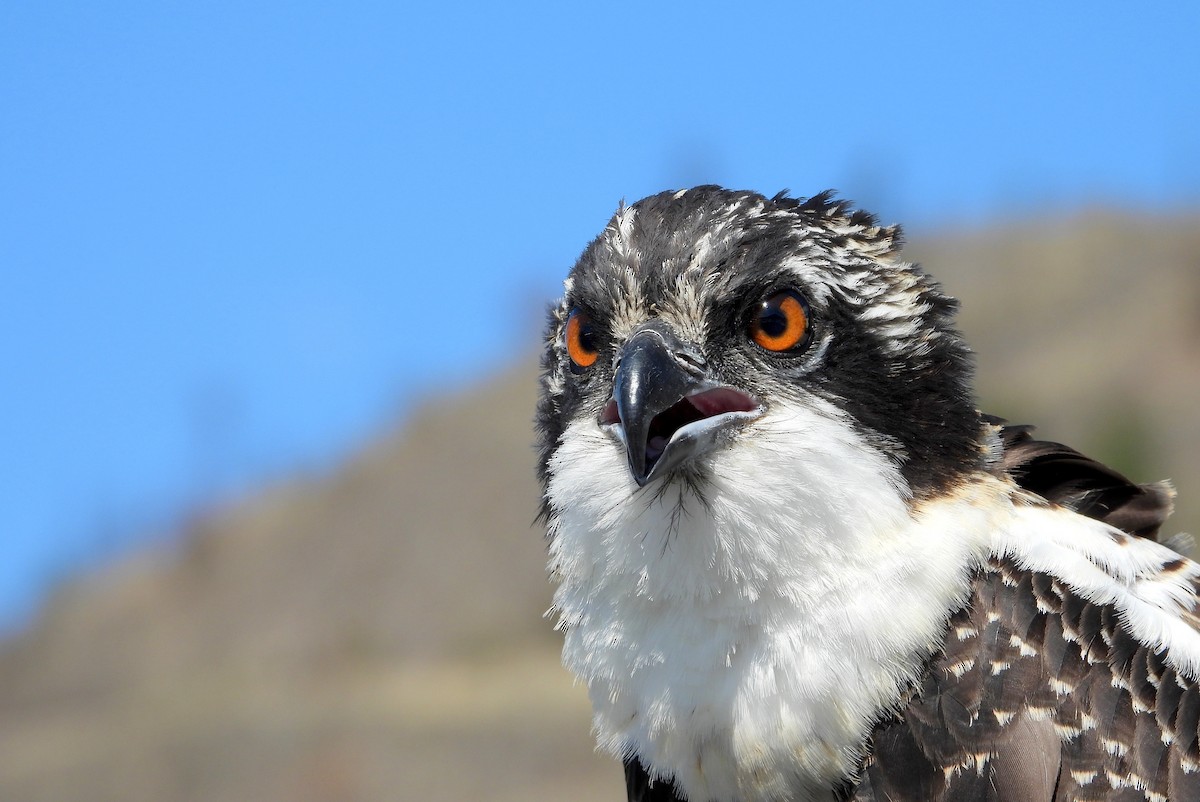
(377,633)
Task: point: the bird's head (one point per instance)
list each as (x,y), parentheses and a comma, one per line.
(710,332)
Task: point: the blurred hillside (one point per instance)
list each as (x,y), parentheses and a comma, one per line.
(377,634)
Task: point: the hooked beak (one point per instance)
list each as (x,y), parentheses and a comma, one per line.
(666,408)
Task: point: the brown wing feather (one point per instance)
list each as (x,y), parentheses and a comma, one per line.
(1060,474)
(1039,696)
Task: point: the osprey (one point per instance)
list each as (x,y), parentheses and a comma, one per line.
(794,562)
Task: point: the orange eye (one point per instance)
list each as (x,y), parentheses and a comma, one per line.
(581,341)
(781,323)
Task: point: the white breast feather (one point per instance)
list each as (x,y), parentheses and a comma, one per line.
(745,648)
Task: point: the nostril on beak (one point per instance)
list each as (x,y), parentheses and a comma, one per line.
(693,362)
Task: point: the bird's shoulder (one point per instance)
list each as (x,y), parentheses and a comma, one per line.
(1042,693)
(1071,673)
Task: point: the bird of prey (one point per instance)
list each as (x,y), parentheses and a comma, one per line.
(795,562)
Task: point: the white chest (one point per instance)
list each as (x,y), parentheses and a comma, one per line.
(743,647)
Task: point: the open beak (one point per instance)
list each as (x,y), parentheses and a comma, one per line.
(666,408)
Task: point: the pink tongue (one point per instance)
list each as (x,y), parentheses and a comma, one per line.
(655,447)
(721,399)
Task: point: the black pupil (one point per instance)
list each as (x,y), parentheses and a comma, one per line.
(771,319)
(586,336)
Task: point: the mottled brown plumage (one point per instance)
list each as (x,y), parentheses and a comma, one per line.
(1039,695)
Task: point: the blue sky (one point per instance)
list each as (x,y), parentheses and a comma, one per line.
(237,239)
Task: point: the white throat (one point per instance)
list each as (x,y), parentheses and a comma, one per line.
(743,646)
